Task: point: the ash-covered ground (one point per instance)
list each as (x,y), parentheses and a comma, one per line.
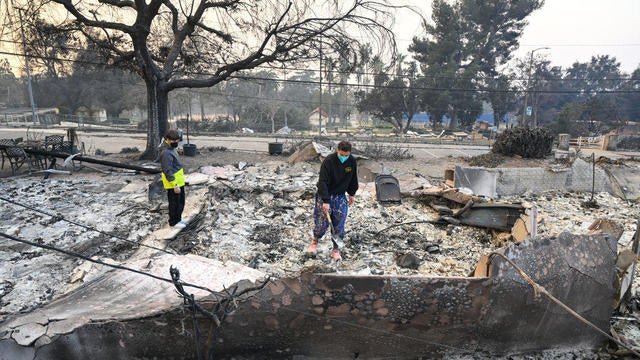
(258,213)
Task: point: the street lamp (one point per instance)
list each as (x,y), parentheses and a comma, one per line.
(526,93)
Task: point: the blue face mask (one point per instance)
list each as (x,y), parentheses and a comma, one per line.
(343,158)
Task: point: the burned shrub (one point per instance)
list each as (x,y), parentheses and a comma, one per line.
(533,143)
(383,151)
(129,150)
(489,160)
(629,143)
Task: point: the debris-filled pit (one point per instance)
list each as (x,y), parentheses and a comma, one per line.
(258,215)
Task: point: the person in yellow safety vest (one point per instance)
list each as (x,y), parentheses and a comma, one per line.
(173,178)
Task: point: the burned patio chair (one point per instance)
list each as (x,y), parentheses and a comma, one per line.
(54,143)
(17,157)
(3,144)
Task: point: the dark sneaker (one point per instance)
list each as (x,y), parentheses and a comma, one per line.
(335,255)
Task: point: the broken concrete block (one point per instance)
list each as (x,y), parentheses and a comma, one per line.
(410,182)
(564,155)
(606,226)
(519,230)
(483,267)
(196,178)
(306,152)
(458,197)
(27,334)
(480,180)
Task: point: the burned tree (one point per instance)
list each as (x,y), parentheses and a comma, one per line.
(535,143)
(197,44)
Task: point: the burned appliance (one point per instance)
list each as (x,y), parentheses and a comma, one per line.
(387,189)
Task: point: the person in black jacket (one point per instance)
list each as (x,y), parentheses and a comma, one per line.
(338,177)
(173,178)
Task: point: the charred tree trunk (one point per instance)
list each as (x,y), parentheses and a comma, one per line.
(453,122)
(202,113)
(157,101)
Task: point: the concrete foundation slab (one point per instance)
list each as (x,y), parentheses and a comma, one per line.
(517,181)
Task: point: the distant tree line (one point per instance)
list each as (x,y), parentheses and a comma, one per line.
(457,67)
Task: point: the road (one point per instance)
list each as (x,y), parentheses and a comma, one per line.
(111,142)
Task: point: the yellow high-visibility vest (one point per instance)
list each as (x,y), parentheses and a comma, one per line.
(177,182)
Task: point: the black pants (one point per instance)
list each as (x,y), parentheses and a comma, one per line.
(176,205)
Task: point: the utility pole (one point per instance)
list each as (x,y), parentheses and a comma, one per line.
(284,90)
(527,89)
(320,102)
(26,61)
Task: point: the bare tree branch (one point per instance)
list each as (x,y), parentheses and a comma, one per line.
(72,9)
(224,36)
(222,4)
(119,3)
(174,15)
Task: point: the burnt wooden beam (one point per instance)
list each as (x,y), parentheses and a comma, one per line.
(93,161)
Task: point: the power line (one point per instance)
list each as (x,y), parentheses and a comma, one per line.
(279,69)
(580,45)
(60,217)
(201,91)
(120,267)
(347,84)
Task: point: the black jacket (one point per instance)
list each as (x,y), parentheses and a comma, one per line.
(337,178)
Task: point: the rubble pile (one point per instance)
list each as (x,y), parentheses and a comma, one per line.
(264,221)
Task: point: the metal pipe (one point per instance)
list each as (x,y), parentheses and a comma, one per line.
(527,89)
(26,66)
(593,175)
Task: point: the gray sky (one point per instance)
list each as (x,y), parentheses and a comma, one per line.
(574,30)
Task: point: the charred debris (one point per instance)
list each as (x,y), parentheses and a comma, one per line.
(431,269)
